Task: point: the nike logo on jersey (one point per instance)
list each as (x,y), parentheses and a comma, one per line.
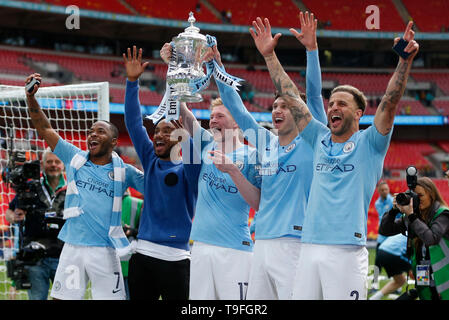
(115,291)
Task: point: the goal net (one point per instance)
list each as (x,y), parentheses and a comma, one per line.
(71,109)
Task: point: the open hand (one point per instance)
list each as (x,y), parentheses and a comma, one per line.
(133,64)
(308,31)
(263,39)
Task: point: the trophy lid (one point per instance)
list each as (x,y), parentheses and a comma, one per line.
(191,31)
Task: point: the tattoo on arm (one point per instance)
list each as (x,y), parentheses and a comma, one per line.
(301,116)
(396,88)
(281,80)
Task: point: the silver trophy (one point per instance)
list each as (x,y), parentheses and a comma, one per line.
(186,65)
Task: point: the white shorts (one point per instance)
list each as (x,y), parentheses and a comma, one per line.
(218,273)
(79,264)
(331,272)
(273,268)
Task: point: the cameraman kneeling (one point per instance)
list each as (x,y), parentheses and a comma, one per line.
(428,239)
(40,219)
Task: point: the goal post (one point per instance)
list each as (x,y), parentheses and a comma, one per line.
(71,109)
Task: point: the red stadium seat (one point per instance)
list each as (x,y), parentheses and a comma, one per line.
(178,10)
(429,16)
(350,14)
(113,6)
(282,13)
(440,79)
(368,83)
(11,63)
(402,154)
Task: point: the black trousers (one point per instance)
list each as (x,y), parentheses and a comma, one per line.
(150,278)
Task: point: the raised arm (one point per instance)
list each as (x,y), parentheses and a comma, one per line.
(38,117)
(386,111)
(189,120)
(308,39)
(265,43)
(133,115)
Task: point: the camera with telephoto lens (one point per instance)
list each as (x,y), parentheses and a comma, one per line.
(403,198)
(24,178)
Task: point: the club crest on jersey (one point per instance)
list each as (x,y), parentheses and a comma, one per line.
(111,175)
(290,147)
(239,164)
(349,146)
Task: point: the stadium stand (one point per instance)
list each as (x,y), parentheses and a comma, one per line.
(282,13)
(173,10)
(369,83)
(333,15)
(10,63)
(113,6)
(431,17)
(441,79)
(442,105)
(340,14)
(444,145)
(102,68)
(405,153)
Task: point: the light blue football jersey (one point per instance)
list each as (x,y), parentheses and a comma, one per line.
(286,171)
(383,206)
(221,214)
(286,178)
(396,245)
(96,190)
(345,176)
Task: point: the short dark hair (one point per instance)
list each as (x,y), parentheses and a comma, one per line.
(303,96)
(358,95)
(113,127)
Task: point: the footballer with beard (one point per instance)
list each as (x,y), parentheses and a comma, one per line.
(222,245)
(286,165)
(89,251)
(347,166)
(161,265)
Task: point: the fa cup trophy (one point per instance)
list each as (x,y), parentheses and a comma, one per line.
(185,66)
(185,75)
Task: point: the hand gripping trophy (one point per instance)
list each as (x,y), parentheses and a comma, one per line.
(185,75)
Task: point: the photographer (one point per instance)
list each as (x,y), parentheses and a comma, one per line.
(39,226)
(427,226)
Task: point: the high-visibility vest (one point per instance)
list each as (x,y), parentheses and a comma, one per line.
(439,260)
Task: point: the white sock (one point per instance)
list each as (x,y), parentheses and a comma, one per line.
(377,296)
